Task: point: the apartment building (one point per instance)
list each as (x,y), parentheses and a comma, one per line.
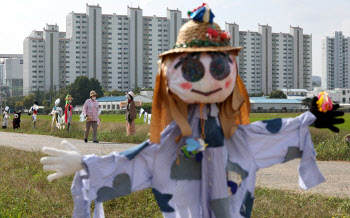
(269,61)
(42,60)
(2,72)
(121,51)
(335,61)
(11,73)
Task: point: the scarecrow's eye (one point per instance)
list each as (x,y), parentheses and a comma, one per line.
(192,70)
(219,67)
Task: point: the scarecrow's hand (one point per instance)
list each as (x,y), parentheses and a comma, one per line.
(328,119)
(64,162)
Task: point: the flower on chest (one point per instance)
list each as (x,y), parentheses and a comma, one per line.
(193,148)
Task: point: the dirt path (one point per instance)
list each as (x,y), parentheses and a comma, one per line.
(31,142)
(281,176)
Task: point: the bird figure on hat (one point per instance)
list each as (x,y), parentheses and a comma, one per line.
(203,153)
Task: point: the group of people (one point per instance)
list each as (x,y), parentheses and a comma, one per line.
(91,112)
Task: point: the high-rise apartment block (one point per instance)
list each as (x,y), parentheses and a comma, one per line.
(269,61)
(11,74)
(121,51)
(335,61)
(2,72)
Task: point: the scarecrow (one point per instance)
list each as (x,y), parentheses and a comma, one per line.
(16,122)
(68,111)
(6,117)
(204,163)
(57,114)
(34,110)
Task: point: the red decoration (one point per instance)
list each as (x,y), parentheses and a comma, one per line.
(223,35)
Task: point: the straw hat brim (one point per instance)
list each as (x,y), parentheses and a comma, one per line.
(201,49)
(69,98)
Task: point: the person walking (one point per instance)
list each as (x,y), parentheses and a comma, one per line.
(130,115)
(90,110)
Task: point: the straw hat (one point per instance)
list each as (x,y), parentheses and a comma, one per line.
(69,97)
(131,94)
(93,93)
(201,34)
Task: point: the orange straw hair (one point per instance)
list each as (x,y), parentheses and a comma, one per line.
(167,107)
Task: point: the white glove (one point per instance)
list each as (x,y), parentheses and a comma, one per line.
(65,163)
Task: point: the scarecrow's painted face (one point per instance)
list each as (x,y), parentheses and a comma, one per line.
(202,77)
(15,116)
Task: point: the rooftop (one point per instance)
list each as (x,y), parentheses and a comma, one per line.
(275,101)
(123,98)
(111,98)
(295,90)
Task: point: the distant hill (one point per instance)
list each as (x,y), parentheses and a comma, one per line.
(316,79)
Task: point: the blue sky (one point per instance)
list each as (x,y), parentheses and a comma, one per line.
(317,17)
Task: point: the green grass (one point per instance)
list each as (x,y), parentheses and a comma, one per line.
(25,192)
(277,203)
(328,145)
(265,116)
(112,129)
(104,118)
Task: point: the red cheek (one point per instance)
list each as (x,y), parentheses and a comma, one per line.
(186,85)
(228,83)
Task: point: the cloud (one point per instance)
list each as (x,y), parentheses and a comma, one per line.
(345,27)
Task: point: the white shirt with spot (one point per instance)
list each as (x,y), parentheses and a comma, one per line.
(199,189)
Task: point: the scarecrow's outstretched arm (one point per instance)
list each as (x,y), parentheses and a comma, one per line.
(64,162)
(327,119)
(280,140)
(103,178)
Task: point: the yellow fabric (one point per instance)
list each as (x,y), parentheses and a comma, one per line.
(167,107)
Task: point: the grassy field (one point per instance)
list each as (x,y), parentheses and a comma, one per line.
(328,145)
(25,192)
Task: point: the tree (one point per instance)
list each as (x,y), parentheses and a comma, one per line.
(19,105)
(96,86)
(12,101)
(137,90)
(306,102)
(277,94)
(80,90)
(28,101)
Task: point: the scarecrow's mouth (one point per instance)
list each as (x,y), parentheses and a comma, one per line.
(206,93)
